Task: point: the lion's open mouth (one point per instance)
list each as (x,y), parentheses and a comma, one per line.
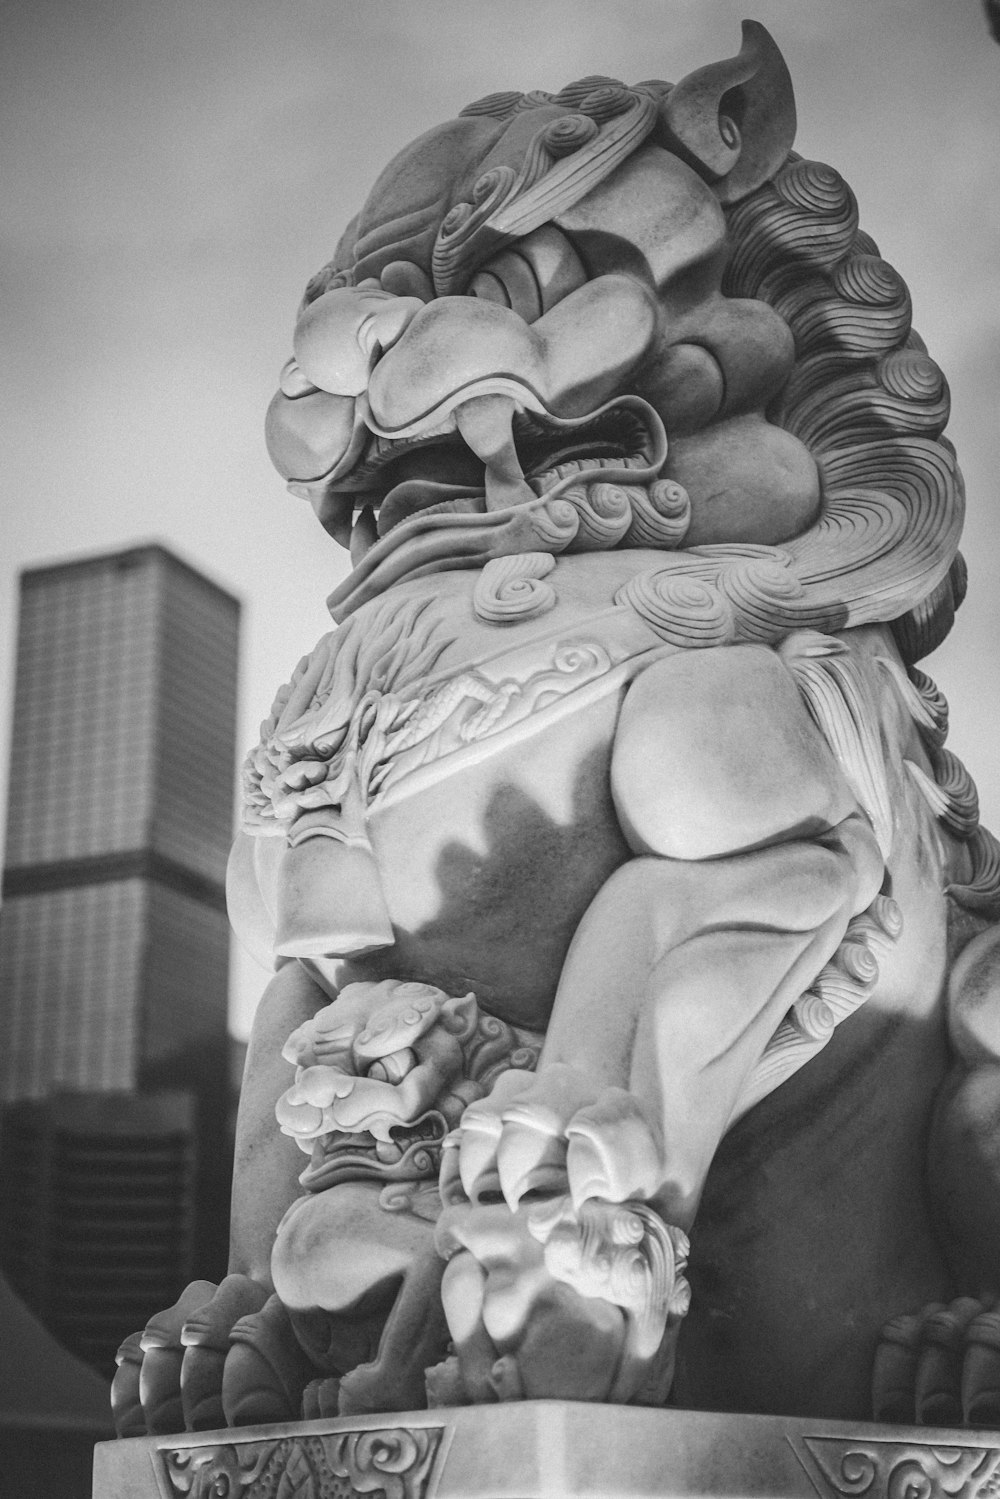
(441,472)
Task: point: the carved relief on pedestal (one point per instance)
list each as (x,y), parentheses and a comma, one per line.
(395,1462)
(843,1466)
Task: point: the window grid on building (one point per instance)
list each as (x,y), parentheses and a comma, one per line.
(123,747)
(114,941)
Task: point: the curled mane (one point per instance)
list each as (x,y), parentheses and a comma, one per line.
(870,404)
(864,396)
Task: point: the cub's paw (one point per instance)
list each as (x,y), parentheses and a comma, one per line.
(940,1366)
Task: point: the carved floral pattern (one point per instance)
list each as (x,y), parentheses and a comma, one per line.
(333,719)
(843,1466)
(840,988)
(394,1462)
(512,588)
(355,713)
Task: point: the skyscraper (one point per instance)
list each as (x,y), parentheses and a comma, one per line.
(114,939)
(113,934)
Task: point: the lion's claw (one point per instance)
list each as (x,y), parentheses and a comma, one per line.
(163,1356)
(126,1404)
(218,1353)
(206,1338)
(551,1132)
(555,1256)
(612,1153)
(266,1369)
(940,1366)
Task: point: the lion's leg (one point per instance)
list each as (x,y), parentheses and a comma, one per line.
(940,1365)
(681,972)
(223,1350)
(678,976)
(751,859)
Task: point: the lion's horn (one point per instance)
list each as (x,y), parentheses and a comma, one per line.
(734,121)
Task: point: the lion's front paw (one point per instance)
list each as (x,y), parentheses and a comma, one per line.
(562,1280)
(551,1132)
(940,1366)
(221,1356)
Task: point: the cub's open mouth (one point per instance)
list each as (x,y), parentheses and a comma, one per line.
(494,457)
(413,1154)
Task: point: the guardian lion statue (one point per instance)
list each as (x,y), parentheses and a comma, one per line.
(635,994)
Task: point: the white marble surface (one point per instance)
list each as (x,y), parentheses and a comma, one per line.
(557,1450)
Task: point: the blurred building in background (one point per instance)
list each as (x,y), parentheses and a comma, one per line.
(98,1215)
(114,941)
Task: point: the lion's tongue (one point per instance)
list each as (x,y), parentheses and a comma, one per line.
(485,423)
(417,496)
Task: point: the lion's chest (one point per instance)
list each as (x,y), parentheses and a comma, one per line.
(489,864)
(484,781)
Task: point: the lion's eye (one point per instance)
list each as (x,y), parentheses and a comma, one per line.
(531,275)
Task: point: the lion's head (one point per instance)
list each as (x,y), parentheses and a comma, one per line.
(626,316)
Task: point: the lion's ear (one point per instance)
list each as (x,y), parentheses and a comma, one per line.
(733,121)
(460,1016)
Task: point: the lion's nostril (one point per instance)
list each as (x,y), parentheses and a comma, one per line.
(293,382)
(340,335)
(385,327)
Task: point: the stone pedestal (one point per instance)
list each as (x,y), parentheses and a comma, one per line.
(551,1449)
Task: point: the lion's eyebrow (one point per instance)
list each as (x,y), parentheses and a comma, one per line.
(399,233)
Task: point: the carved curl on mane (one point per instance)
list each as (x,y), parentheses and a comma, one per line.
(863,390)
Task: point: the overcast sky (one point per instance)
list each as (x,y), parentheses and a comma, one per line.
(174,170)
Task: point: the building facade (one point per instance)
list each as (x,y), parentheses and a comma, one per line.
(114,941)
(113,935)
(98,1221)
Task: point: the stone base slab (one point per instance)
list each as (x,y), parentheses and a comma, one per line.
(553,1450)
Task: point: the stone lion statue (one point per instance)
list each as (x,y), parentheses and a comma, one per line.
(634,998)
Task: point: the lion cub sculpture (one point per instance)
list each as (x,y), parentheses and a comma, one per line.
(634,999)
